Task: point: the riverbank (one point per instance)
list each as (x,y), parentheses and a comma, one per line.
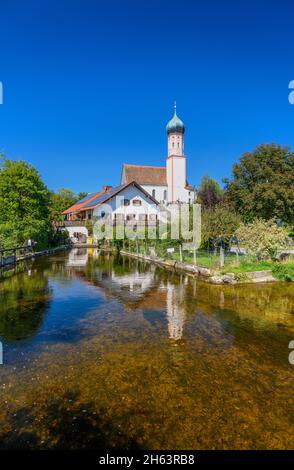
(207,274)
(11,263)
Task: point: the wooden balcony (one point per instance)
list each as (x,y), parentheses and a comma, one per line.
(71,223)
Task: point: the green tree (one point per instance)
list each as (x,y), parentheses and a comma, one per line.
(262,238)
(221,221)
(59,201)
(24,204)
(263,184)
(209,193)
(81,195)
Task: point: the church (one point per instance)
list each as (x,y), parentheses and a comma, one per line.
(144,193)
(167,184)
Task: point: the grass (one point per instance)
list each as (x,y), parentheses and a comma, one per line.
(281,270)
(284,271)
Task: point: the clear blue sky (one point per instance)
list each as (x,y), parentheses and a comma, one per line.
(90,84)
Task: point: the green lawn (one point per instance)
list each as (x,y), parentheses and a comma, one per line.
(283,271)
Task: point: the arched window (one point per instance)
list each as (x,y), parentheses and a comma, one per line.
(153,193)
(165,194)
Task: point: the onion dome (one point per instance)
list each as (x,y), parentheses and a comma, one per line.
(175,124)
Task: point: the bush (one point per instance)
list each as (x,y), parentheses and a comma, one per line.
(262,238)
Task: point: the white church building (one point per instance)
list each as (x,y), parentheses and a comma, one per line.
(167,184)
(144,193)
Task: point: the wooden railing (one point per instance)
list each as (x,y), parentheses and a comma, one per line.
(71,223)
(9,256)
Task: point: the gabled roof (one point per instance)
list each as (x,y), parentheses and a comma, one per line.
(95,199)
(83,202)
(153,175)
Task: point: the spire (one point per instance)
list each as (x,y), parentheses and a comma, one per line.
(175,124)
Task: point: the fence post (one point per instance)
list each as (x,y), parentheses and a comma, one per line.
(181,254)
(194,255)
(221,257)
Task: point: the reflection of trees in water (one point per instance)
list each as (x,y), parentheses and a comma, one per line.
(67,424)
(24,301)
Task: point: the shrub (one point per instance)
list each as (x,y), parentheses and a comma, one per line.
(262,238)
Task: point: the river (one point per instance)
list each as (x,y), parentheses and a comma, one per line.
(106,351)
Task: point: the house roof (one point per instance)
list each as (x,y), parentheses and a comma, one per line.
(83,202)
(95,199)
(153,175)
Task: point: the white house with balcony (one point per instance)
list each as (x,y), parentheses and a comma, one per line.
(127,204)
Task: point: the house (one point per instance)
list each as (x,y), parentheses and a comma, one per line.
(125,204)
(145,193)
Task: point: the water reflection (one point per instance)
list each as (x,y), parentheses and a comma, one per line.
(24,301)
(117,351)
(175,309)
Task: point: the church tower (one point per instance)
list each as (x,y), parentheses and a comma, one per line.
(176,161)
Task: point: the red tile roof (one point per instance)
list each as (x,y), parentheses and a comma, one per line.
(153,175)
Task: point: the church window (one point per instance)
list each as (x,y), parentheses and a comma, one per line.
(126,202)
(153,193)
(165,194)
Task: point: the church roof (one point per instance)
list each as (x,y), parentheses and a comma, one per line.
(175,124)
(153,175)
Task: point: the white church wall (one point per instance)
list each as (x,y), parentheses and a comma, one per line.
(176,179)
(160,191)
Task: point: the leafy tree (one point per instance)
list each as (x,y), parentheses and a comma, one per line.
(81,195)
(220,221)
(209,193)
(24,204)
(262,238)
(263,184)
(61,200)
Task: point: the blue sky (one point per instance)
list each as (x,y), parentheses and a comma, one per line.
(90,84)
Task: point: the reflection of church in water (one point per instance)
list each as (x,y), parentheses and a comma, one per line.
(138,289)
(175,310)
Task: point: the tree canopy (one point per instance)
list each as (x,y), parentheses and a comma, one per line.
(24,204)
(220,221)
(263,184)
(61,200)
(209,193)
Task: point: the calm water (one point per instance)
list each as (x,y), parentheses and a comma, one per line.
(111,352)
